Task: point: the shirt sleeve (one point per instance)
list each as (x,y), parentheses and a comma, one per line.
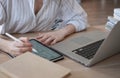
(73,13)
(2,13)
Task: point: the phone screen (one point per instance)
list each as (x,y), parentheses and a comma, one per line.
(45,51)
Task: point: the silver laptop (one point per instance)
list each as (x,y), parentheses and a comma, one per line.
(92,47)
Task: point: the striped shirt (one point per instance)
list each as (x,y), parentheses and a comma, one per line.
(17,16)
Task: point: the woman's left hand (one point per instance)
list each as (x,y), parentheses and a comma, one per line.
(50,38)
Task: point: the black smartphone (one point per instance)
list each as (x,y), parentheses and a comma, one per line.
(45,51)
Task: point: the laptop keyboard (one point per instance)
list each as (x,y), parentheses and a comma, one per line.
(89,50)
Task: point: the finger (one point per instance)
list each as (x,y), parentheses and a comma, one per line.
(17,44)
(49,41)
(40,36)
(25,49)
(43,38)
(24,39)
(27,44)
(53,42)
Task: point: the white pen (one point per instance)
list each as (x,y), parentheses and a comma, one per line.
(12,37)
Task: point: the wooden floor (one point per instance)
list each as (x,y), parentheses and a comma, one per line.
(99,10)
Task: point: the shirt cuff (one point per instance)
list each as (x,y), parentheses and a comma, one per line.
(78,26)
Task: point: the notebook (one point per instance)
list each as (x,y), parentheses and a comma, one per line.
(92,47)
(29,65)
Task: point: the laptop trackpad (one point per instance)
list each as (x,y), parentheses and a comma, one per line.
(82,40)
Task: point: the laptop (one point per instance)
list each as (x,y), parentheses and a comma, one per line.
(92,47)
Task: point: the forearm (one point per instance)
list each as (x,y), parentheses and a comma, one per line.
(67,30)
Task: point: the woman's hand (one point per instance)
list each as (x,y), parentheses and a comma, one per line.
(52,37)
(16,48)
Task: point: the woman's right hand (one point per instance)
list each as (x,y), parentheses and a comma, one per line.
(16,48)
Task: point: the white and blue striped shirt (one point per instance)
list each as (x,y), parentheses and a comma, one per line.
(17,16)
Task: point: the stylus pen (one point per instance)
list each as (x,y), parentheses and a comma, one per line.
(12,37)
